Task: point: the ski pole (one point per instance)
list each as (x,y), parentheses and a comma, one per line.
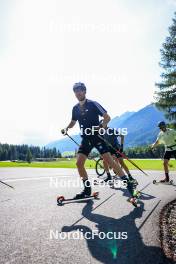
(6,184)
(72,139)
(123,155)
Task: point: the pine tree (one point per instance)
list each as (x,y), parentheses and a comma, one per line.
(166,96)
(29,156)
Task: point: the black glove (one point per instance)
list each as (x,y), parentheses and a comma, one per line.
(64,131)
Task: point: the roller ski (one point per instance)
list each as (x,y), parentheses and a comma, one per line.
(83,196)
(135,194)
(135,198)
(61,200)
(164,182)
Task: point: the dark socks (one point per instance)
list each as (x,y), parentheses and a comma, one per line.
(167,176)
(87,186)
(130,177)
(86,183)
(109,175)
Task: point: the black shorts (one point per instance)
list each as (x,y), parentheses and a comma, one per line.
(169,154)
(113,152)
(90,142)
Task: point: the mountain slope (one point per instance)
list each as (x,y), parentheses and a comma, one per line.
(117,121)
(142,126)
(65,144)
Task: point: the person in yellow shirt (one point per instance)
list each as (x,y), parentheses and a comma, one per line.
(167,137)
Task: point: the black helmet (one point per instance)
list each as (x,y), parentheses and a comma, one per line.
(161,124)
(79,86)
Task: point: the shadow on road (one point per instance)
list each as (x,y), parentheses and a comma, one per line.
(131,250)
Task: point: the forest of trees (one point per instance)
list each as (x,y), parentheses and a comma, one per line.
(145,152)
(140,152)
(29,153)
(26,153)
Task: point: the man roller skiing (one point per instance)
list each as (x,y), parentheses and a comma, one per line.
(87,113)
(167,137)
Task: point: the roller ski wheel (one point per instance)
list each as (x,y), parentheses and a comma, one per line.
(95,194)
(133,201)
(60,200)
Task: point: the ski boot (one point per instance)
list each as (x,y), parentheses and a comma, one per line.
(86,192)
(109,178)
(164,180)
(132,180)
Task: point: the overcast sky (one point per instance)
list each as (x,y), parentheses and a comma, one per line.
(47,45)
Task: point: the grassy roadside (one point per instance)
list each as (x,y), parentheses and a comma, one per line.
(65,163)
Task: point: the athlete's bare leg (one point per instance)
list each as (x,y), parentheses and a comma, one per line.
(166,170)
(110,161)
(106,167)
(81,159)
(124,166)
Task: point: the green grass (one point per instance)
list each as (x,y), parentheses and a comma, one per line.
(151,164)
(65,163)
(62,163)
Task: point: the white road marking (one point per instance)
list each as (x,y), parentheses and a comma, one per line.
(36,178)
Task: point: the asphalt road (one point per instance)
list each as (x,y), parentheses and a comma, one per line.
(33,229)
